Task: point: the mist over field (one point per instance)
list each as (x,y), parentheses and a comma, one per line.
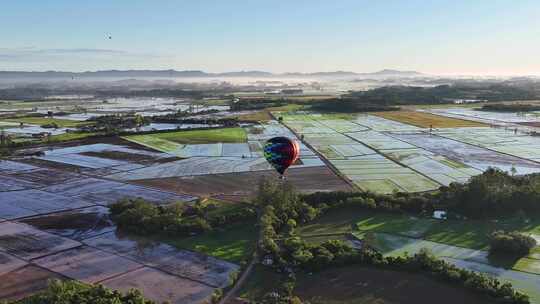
(283,152)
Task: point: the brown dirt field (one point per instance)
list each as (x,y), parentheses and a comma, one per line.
(364,285)
(75,224)
(87,264)
(160,286)
(46,177)
(24,282)
(262,115)
(425,120)
(124,156)
(241,185)
(50,164)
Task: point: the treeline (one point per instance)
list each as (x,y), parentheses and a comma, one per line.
(284,209)
(493,193)
(164,92)
(518,107)
(350,105)
(256,104)
(32,93)
(26,93)
(111,124)
(73,292)
(406,95)
(227,122)
(141,217)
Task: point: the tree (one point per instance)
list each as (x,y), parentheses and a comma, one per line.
(513,243)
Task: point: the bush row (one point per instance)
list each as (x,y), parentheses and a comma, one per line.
(141,217)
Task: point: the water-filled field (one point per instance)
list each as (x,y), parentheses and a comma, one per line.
(399,151)
(213,151)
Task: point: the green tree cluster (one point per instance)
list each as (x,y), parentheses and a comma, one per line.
(289,253)
(73,292)
(141,217)
(511,243)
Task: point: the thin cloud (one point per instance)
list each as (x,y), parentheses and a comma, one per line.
(37,54)
(81,51)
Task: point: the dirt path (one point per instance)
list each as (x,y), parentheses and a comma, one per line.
(239,282)
(248,270)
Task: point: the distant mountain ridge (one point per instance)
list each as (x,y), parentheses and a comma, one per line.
(198,73)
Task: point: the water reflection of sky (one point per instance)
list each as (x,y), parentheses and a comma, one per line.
(172,126)
(32,129)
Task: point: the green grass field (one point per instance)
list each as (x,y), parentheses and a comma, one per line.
(358,284)
(469,234)
(161,140)
(474,233)
(62,123)
(234,244)
(71,136)
(396,234)
(347,220)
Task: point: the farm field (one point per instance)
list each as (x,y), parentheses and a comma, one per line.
(62,123)
(358,284)
(57,226)
(507,141)
(383,155)
(243,185)
(234,244)
(427,120)
(216,151)
(365,285)
(225,135)
(395,234)
(336,139)
(486,116)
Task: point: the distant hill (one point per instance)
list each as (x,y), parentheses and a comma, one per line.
(388,72)
(196,73)
(321,74)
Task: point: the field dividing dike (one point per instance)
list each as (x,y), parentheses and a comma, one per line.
(31,262)
(324,160)
(336,171)
(394,161)
(149,266)
(417,147)
(49,213)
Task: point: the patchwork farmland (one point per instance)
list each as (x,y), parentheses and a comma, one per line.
(464,243)
(55,221)
(54,200)
(420,151)
(398,151)
(56,224)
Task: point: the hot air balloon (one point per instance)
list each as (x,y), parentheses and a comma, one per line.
(281,152)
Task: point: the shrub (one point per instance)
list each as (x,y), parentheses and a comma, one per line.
(513,243)
(141,217)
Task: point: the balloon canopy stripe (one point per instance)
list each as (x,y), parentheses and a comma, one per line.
(281,152)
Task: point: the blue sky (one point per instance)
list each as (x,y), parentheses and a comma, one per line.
(442,37)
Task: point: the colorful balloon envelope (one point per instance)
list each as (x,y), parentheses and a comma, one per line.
(281,152)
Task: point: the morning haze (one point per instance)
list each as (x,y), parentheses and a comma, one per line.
(284,152)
